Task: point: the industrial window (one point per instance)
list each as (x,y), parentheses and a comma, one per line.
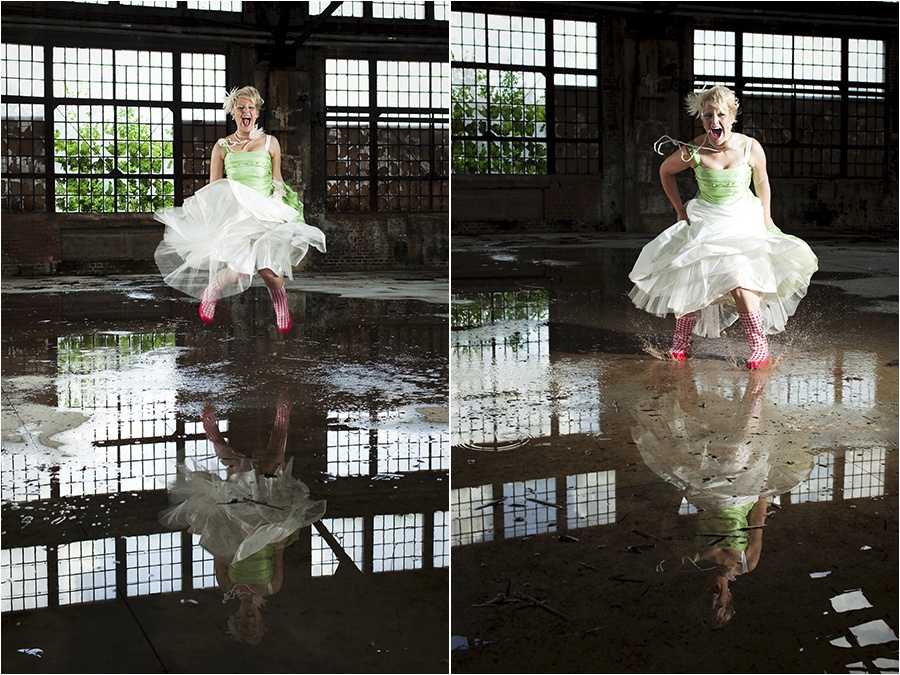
(153,563)
(816,103)
(441,538)
(213,5)
(512,111)
(398,541)
(472,511)
(350,536)
(386,138)
(86,571)
(25,572)
(104,130)
(398,9)
(530,507)
(591,499)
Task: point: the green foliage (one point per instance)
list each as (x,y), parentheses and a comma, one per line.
(500,126)
(100,160)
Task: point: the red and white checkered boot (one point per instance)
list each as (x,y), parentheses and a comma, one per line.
(681,340)
(282,313)
(756,336)
(208,301)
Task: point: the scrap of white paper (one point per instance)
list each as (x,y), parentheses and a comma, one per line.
(873,633)
(849,600)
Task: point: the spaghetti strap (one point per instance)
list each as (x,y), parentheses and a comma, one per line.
(268,138)
(695,155)
(748,146)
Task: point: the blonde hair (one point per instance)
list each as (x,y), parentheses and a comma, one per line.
(244,92)
(721,97)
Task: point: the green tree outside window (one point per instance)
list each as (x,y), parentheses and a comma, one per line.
(501,120)
(118,165)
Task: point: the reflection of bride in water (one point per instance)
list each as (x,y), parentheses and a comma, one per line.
(246,519)
(727,457)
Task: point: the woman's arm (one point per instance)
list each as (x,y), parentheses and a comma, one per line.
(216,164)
(278,575)
(761,179)
(275,153)
(757,518)
(674,164)
(221,573)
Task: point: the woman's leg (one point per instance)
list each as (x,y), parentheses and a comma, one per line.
(275,284)
(747,303)
(681,340)
(224,278)
(274,455)
(235,462)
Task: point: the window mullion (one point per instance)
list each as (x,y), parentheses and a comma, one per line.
(373,135)
(50,104)
(549,98)
(845,108)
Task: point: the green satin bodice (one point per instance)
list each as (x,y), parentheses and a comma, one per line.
(253,169)
(258,568)
(728,523)
(723,187)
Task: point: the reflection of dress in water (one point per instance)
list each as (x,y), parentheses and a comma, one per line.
(243,517)
(719,461)
(726,246)
(238,223)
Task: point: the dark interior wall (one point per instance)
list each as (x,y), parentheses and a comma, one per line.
(646,69)
(281,50)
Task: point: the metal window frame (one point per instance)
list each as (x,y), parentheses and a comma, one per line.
(549,71)
(846,90)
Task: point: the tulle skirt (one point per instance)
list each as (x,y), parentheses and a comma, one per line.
(230,229)
(695,267)
(720,459)
(242,514)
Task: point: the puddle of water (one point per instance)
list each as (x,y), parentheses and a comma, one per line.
(103,415)
(642,480)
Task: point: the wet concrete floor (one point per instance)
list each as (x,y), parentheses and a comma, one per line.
(597,491)
(106,385)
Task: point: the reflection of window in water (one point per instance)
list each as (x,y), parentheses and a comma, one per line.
(153,563)
(859,379)
(349,534)
(200,452)
(398,542)
(501,344)
(819,486)
(441,555)
(87,571)
(528,508)
(591,499)
(864,473)
(847,378)
(472,310)
(125,381)
(355,449)
(24,575)
(22,480)
(203,570)
(473,515)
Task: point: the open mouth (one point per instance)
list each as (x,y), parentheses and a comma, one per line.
(246,120)
(717,134)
